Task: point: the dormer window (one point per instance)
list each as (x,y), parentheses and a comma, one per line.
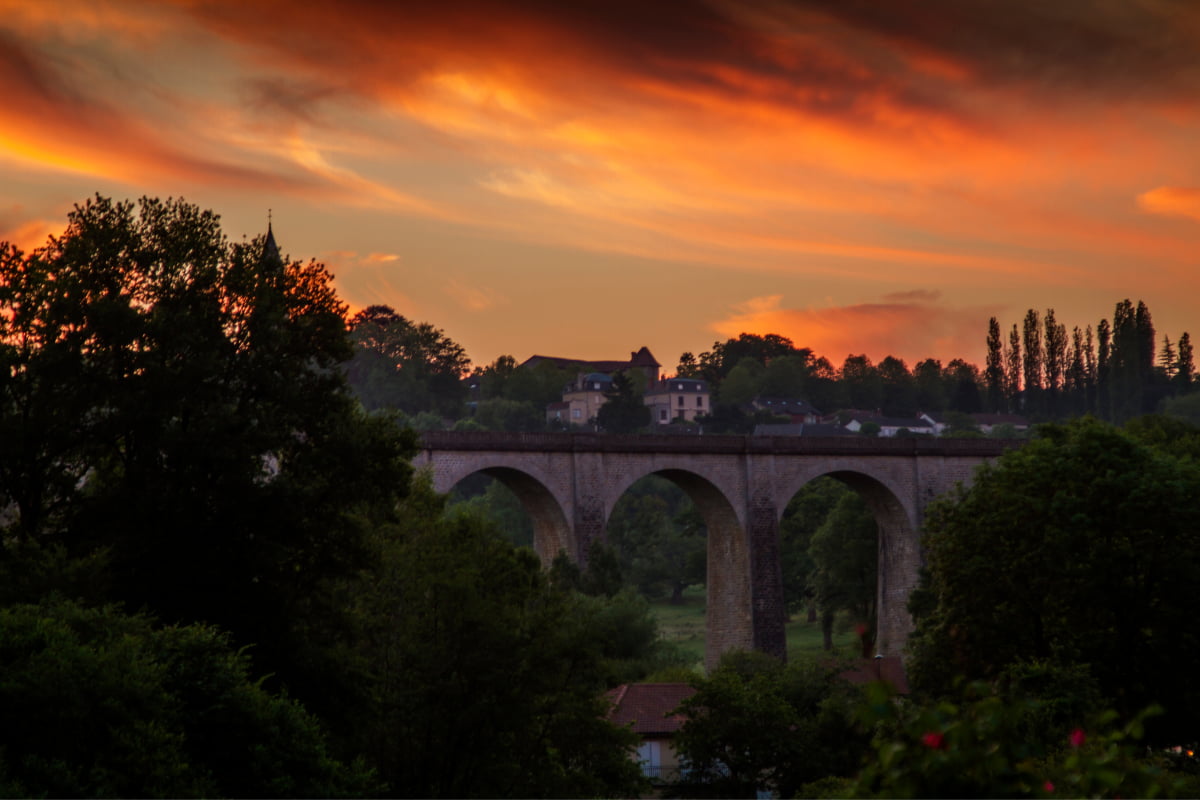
(679,387)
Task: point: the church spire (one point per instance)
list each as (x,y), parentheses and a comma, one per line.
(270,248)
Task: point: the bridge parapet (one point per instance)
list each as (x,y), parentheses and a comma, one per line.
(714,444)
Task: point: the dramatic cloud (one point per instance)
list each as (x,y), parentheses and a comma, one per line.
(912,330)
(728,148)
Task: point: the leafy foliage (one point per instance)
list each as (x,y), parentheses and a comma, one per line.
(105,704)
(411,367)
(756,725)
(975,747)
(483,679)
(175,403)
(1079,548)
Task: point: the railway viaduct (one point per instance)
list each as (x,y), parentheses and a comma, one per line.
(570,482)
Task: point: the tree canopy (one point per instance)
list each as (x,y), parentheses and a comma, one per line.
(1083,547)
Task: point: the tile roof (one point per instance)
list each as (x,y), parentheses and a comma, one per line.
(647,707)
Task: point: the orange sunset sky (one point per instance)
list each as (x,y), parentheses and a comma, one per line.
(584,178)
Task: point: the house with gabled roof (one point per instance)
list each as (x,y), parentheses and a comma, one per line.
(675,398)
(649,709)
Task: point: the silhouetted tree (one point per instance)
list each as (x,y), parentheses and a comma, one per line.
(862,386)
(1012,373)
(899,388)
(1033,364)
(994,372)
(1055,362)
(1185,369)
(403,365)
(624,410)
(931,389)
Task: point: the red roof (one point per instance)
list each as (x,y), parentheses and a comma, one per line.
(648,706)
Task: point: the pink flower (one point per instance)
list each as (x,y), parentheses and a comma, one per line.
(933,740)
(1048,787)
(1078,737)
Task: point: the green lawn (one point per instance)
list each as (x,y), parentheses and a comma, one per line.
(683,624)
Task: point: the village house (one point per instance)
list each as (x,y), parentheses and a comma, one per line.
(677,398)
(648,708)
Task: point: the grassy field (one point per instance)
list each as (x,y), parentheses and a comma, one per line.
(683,624)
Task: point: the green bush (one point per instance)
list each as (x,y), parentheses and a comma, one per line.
(98,703)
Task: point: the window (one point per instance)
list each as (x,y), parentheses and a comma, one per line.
(679,387)
(662,415)
(576,413)
(681,401)
(699,401)
(650,758)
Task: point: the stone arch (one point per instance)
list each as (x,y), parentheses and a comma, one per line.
(551,531)
(899,557)
(728,614)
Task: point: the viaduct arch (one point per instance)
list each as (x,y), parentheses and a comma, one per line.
(570,482)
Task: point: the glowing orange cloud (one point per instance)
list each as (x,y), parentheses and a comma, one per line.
(908,326)
(30,235)
(1176,201)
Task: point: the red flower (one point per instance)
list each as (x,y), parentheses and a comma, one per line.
(1048,787)
(1078,737)
(934,740)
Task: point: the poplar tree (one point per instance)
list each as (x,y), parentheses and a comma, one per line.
(1089,370)
(1185,369)
(1076,376)
(1055,361)
(1125,363)
(1033,362)
(995,367)
(1103,352)
(1012,375)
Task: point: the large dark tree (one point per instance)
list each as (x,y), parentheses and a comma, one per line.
(480,678)
(1081,548)
(175,403)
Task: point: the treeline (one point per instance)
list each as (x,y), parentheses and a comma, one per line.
(1038,371)
(1117,373)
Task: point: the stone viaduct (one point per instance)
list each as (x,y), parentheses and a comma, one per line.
(570,482)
